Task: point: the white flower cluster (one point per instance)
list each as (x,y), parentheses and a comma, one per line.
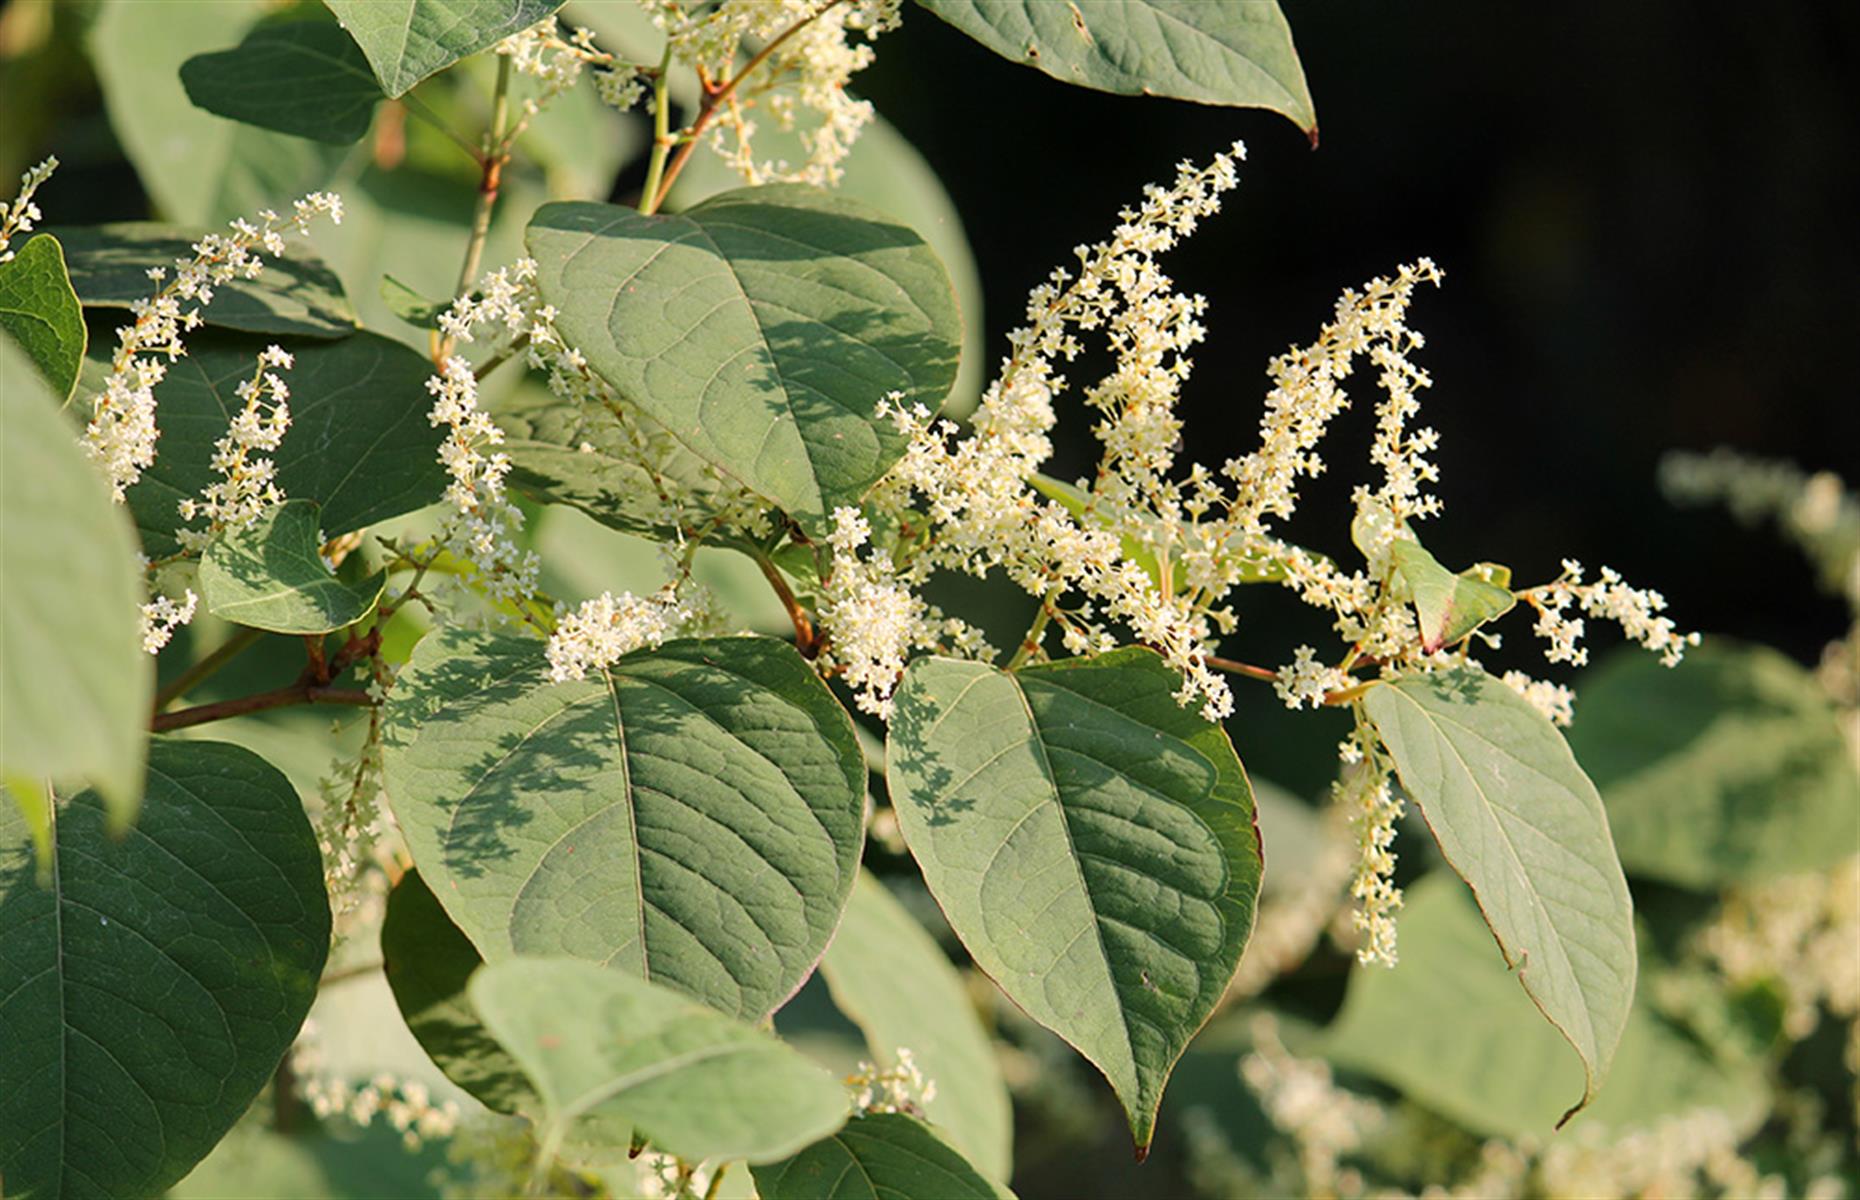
(545,54)
(247,485)
(162,616)
(1307,681)
(603,630)
(1553,700)
(1324,1121)
(407,1104)
(900,1088)
(22,214)
(811,57)
(121,434)
(1373,809)
(1611,598)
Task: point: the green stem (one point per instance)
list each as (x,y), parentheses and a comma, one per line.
(418,108)
(716,1180)
(661,133)
(228,650)
(1030,643)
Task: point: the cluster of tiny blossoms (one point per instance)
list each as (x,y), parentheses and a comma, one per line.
(162,616)
(899,1088)
(811,56)
(406,1104)
(121,434)
(247,484)
(1611,598)
(22,214)
(602,630)
(556,60)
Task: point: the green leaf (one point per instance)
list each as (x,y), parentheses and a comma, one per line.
(407,40)
(889,976)
(150,991)
(196,167)
(359,442)
(297,294)
(40,312)
(761,328)
(1729,768)
(1484,1058)
(699,1085)
(885,171)
(306,78)
(1235,52)
(1448,606)
(428,962)
(409,305)
(255,1161)
(75,686)
(1518,820)
(693,814)
(1092,844)
(884,1156)
(270,575)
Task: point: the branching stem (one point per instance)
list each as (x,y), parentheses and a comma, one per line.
(241,641)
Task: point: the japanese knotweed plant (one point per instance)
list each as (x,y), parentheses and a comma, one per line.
(602,840)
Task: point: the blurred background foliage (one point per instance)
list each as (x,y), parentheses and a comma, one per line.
(1646,217)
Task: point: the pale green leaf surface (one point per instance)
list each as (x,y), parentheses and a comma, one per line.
(270,575)
(1450,1029)
(1092,844)
(1448,607)
(891,978)
(1235,52)
(149,992)
(75,686)
(407,40)
(359,444)
(40,312)
(760,328)
(693,814)
(196,167)
(256,1162)
(884,1156)
(306,78)
(696,1083)
(1518,820)
(297,294)
(1729,768)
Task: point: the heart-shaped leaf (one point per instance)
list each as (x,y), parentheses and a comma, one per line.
(1215,51)
(1092,843)
(149,991)
(75,685)
(1447,606)
(297,294)
(359,443)
(307,78)
(1518,820)
(271,575)
(761,328)
(891,978)
(693,814)
(884,1156)
(695,1083)
(40,312)
(407,40)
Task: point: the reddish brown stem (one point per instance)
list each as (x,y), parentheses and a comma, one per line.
(805,640)
(285,697)
(1235,667)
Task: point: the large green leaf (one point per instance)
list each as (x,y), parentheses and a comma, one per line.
(1523,826)
(890,977)
(40,312)
(1728,768)
(885,1156)
(699,1085)
(359,444)
(148,993)
(297,294)
(1451,1030)
(197,168)
(1092,843)
(306,78)
(407,40)
(75,686)
(1235,52)
(428,962)
(761,328)
(693,814)
(270,575)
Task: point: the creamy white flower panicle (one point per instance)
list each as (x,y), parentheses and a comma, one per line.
(1610,598)
(602,630)
(1307,681)
(813,52)
(121,435)
(22,214)
(1553,700)
(1373,809)
(556,60)
(247,484)
(899,1088)
(162,616)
